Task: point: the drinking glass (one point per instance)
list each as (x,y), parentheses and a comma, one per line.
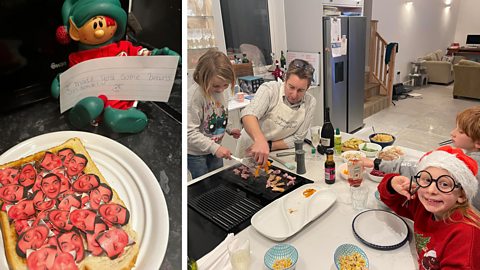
(359,196)
(315,134)
(239,252)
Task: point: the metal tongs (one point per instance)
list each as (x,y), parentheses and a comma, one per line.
(251,165)
(405,203)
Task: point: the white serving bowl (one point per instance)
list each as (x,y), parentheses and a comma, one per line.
(350,154)
(370,149)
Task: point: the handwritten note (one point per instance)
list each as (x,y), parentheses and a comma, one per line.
(119,78)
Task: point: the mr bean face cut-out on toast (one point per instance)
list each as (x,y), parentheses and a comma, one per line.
(57,208)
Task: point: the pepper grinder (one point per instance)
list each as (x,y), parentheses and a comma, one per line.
(298,146)
(300,157)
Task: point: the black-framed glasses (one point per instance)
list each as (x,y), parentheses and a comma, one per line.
(298,63)
(444,183)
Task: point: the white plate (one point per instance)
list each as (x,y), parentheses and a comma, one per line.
(380,229)
(128,175)
(287,215)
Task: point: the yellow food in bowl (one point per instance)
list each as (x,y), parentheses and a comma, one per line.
(352,262)
(382,138)
(282,264)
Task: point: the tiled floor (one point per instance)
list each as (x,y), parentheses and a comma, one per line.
(419,123)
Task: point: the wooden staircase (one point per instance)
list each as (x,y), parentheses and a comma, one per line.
(379,80)
(374,101)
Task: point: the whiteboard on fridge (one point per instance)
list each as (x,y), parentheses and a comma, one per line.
(312,58)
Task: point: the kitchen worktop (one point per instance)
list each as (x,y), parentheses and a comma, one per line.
(158,146)
(317,241)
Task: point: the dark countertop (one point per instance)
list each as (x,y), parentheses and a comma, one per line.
(158,146)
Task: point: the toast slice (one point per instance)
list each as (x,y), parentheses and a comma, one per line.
(59,212)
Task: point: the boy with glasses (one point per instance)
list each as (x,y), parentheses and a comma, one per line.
(280,113)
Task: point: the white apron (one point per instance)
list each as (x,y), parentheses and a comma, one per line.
(278,124)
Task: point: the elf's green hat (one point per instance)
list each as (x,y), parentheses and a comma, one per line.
(80,11)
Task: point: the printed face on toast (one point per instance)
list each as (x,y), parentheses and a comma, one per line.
(69,201)
(12,193)
(50,161)
(72,241)
(66,155)
(50,185)
(101,193)
(41,201)
(113,242)
(76,165)
(92,243)
(22,210)
(114,214)
(33,238)
(27,176)
(85,183)
(8,176)
(59,219)
(83,219)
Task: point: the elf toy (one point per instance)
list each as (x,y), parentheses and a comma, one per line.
(98,26)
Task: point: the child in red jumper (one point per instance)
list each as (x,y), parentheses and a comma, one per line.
(446,226)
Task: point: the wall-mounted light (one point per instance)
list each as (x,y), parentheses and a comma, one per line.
(448,3)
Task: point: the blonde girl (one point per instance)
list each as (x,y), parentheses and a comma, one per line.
(208,113)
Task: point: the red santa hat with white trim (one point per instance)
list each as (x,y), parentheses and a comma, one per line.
(462,167)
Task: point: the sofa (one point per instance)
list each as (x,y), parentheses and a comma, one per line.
(439,67)
(467,79)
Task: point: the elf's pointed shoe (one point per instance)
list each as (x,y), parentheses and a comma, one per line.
(85,111)
(125,121)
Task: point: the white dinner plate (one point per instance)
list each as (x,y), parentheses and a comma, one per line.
(287,215)
(380,229)
(128,175)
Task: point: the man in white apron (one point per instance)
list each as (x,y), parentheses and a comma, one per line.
(280,113)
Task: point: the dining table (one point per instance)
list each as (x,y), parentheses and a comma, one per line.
(317,241)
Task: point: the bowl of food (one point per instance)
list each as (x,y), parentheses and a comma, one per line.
(342,170)
(281,256)
(391,153)
(383,139)
(352,154)
(370,149)
(375,175)
(349,256)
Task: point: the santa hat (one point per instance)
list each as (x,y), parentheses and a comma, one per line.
(80,11)
(462,167)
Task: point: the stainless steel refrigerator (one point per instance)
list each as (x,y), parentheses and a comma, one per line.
(344,75)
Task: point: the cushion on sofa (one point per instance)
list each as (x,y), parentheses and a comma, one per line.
(439,54)
(430,57)
(465,62)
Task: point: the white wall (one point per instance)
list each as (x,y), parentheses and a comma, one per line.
(469,20)
(419,28)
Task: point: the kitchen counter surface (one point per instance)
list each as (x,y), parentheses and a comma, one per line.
(317,241)
(158,146)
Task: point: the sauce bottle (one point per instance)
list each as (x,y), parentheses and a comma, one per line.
(355,172)
(329,167)
(337,145)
